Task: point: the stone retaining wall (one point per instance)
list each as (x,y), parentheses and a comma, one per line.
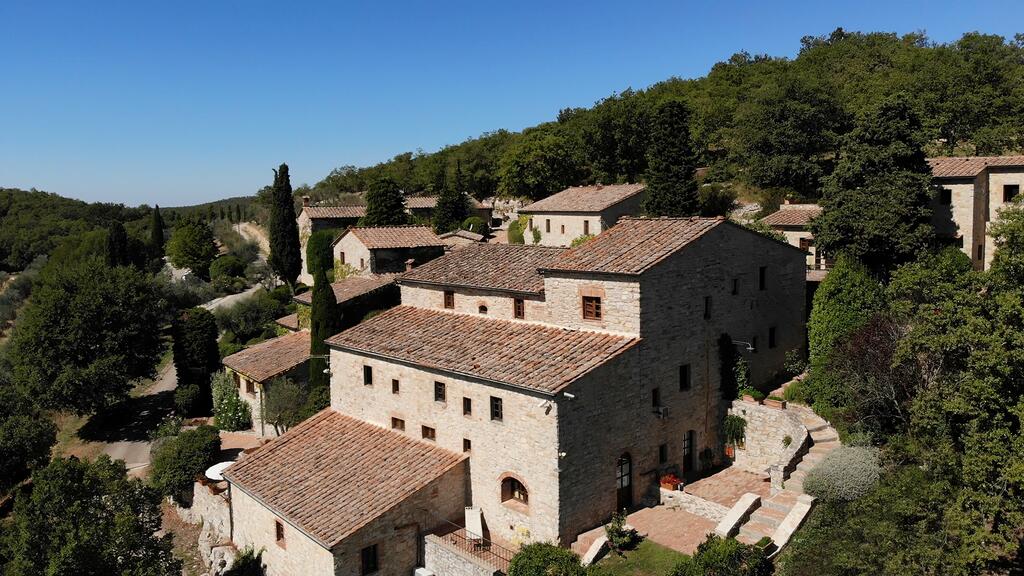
(693,504)
(445,560)
(766,429)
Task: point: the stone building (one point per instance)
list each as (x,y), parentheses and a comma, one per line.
(793,221)
(460,238)
(971,192)
(355,297)
(255,367)
(386,249)
(316,218)
(580,211)
(422,208)
(570,379)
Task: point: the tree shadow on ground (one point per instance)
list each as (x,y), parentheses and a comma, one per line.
(130,420)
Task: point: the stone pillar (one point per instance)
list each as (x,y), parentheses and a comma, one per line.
(775,472)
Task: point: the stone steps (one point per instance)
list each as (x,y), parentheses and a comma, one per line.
(823,447)
(783,501)
(748,540)
(769,516)
(795,485)
(757,530)
(825,435)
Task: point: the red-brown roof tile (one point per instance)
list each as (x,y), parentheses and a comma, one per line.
(332,212)
(290,322)
(430,202)
(793,215)
(333,474)
(383,237)
(271,358)
(633,245)
(533,356)
(505,267)
(585,198)
(969,166)
(351,287)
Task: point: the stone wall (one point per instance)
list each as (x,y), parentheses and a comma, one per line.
(350,251)
(620,302)
(561,229)
(443,559)
(765,431)
(468,301)
(693,504)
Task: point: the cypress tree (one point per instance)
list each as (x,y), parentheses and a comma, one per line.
(238,213)
(117,245)
(323,323)
(318,252)
(385,205)
(671,187)
(156,232)
(285,258)
(196,356)
(452,205)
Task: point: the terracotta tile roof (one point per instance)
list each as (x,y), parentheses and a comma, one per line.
(351,287)
(271,358)
(793,215)
(382,237)
(290,321)
(329,212)
(534,356)
(969,166)
(430,202)
(585,198)
(462,234)
(633,245)
(505,267)
(332,474)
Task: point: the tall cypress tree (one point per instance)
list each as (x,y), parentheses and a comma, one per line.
(196,356)
(323,323)
(385,205)
(452,205)
(285,257)
(238,213)
(671,186)
(156,232)
(117,245)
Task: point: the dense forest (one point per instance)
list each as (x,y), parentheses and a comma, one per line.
(769,125)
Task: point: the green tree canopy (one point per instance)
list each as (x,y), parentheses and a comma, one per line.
(285,256)
(89,332)
(724,557)
(543,559)
(319,252)
(196,356)
(324,321)
(117,245)
(539,164)
(177,462)
(452,205)
(385,205)
(1008,233)
(671,187)
(191,246)
(26,435)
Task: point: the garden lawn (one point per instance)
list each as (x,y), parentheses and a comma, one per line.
(647,559)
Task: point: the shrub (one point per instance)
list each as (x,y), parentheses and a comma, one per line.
(580,240)
(250,317)
(536,235)
(230,412)
(734,428)
(846,474)
(725,557)
(247,563)
(742,371)
(227,266)
(229,344)
(619,536)
(476,224)
(515,233)
(169,427)
(786,441)
(795,363)
(716,199)
(543,559)
(180,460)
(752,392)
(188,399)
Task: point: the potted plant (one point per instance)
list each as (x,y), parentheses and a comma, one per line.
(749,394)
(775,402)
(734,429)
(670,481)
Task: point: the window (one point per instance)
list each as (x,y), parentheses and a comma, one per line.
(341,257)
(586,227)
(429,433)
(362,263)
(753,344)
(466,445)
(1010,192)
(369,561)
(250,387)
(945,196)
(656,397)
(496,409)
(512,489)
(279,533)
(439,392)
(663,454)
(707,307)
(547,225)
(395,386)
(482,309)
(367,376)
(771,337)
(684,377)
(398,424)
(563,228)
(518,308)
(467,406)
(762,277)
(735,286)
(591,308)
(981,251)
(449,299)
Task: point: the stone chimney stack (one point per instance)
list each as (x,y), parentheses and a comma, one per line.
(408,264)
(305,201)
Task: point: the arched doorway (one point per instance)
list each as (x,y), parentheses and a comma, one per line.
(624,483)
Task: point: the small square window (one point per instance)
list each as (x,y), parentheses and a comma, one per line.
(762,277)
(663,454)
(707,307)
(735,286)
(518,308)
(369,561)
(398,424)
(467,406)
(279,533)
(771,337)
(547,225)
(591,308)
(466,445)
(684,377)
(1010,192)
(496,409)
(563,228)
(440,394)
(586,227)
(656,398)
(250,388)
(395,386)
(945,196)
(429,433)
(367,376)
(449,299)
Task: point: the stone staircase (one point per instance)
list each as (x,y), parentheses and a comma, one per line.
(766,520)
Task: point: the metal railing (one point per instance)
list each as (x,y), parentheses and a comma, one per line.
(475,545)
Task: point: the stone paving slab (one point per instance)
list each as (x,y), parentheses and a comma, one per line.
(729,485)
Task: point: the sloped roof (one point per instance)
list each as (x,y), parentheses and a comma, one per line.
(969,166)
(585,198)
(430,202)
(333,474)
(462,234)
(351,287)
(532,356)
(383,237)
(505,267)
(633,245)
(333,212)
(271,358)
(290,321)
(793,215)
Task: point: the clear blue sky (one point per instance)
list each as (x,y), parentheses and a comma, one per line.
(179,102)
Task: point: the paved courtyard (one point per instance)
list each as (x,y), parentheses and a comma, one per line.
(671,527)
(726,487)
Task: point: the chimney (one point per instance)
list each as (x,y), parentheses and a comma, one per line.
(305,201)
(408,264)
(786,200)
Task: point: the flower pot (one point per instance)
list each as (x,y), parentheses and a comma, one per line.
(667,486)
(751,399)
(730,450)
(780,404)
